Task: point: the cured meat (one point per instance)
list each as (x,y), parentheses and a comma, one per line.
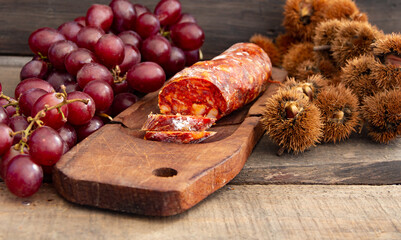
(217,87)
(158,122)
(178,136)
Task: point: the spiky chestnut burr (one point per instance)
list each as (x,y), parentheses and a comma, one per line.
(340,112)
(324,35)
(284,41)
(357,75)
(382,113)
(353,39)
(387,70)
(345,9)
(310,87)
(269,47)
(302,16)
(306,69)
(297,54)
(292,121)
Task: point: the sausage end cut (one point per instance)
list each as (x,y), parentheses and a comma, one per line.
(217,87)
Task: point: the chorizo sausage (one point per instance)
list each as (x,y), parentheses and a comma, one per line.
(219,86)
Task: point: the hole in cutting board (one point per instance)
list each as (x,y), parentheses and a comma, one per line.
(165,172)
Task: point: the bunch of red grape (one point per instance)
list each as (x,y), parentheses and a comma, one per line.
(97,65)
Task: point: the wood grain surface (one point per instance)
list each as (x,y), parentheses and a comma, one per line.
(115,168)
(225,22)
(261,202)
(357,160)
(233,212)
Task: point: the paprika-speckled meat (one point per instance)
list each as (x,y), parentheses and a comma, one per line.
(178,122)
(219,86)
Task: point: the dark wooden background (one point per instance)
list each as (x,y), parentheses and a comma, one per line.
(224,21)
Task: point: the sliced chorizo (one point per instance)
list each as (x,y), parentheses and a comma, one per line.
(219,86)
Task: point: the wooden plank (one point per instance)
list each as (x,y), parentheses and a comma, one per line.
(235,21)
(122,175)
(357,160)
(10,68)
(225,21)
(237,212)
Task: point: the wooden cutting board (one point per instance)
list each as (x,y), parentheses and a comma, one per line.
(115,168)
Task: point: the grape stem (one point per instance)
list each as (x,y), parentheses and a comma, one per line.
(105,116)
(11,102)
(165,33)
(116,71)
(35,121)
(43,57)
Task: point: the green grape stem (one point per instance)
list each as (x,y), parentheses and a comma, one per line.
(11,102)
(35,121)
(116,72)
(105,116)
(165,33)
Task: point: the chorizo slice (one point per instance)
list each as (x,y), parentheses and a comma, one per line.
(160,122)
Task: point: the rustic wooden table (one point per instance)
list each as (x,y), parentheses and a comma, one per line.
(334,191)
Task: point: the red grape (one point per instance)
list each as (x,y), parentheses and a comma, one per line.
(101,93)
(45,146)
(124,15)
(81,20)
(40,40)
(191,57)
(28,98)
(92,126)
(57,78)
(94,71)
(88,37)
(147,25)
(122,101)
(11,110)
(175,63)
(187,36)
(140,9)
(58,51)
(69,135)
(77,58)
(146,77)
(121,87)
(52,118)
(4,118)
(132,56)
(156,49)
(110,50)
(80,113)
(70,30)
(186,17)
(24,177)
(6,139)
(6,159)
(30,83)
(18,123)
(99,15)
(34,68)
(168,11)
(131,37)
